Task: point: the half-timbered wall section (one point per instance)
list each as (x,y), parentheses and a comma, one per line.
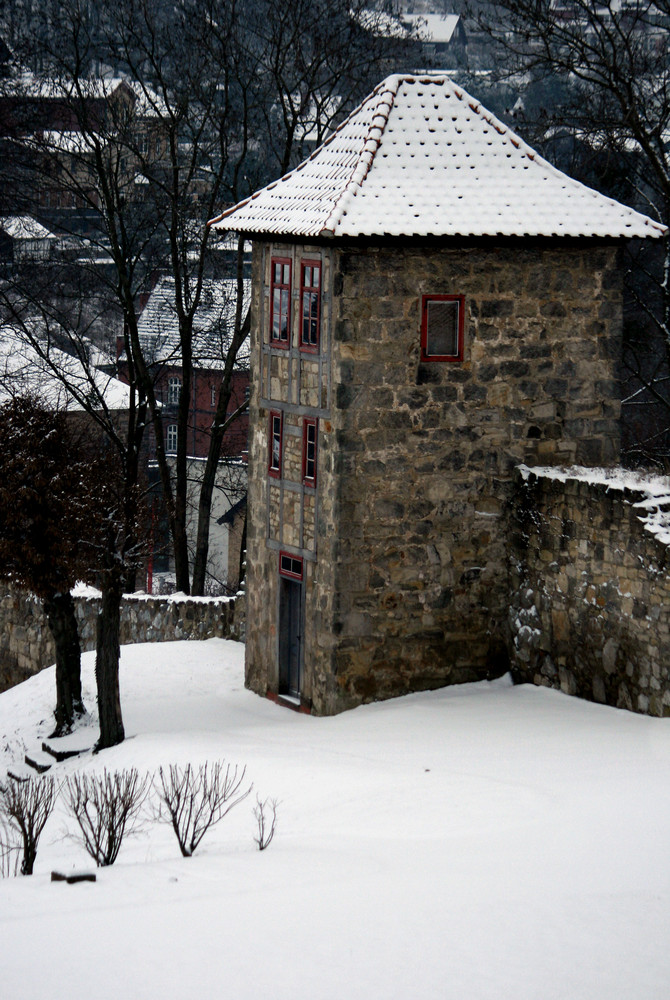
(291,406)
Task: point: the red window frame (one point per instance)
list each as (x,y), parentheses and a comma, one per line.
(280,296)
(276,432)
(290,566)
(310,428)
(425,303)
(310,305)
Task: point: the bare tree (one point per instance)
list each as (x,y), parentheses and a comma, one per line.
(193,801)
(208,101)
(27,807)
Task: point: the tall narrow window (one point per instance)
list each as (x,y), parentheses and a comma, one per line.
(442,322)
(309,429)
(310,304)
(171,439)
(174,389)
(280,301)
(275,443)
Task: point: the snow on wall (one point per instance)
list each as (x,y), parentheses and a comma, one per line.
(26,645)
(590,590)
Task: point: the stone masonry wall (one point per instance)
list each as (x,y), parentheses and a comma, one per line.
(590,593)
(425,451)
(26,645)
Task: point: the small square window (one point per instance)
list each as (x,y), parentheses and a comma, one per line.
(442,323)
(290,566)
(275,445)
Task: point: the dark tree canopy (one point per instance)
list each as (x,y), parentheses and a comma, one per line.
(47,500)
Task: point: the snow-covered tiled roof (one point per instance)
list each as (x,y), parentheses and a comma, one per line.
(24,227)
(27,371)
(438,28)
(421,157)
(158,326)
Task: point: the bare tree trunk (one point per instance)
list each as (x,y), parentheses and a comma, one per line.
(60,614)
(219,428)
(178,521)
(107,663)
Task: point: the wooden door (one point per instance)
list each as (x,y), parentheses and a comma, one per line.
(290,636)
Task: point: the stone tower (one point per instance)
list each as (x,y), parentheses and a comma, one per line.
(433,303)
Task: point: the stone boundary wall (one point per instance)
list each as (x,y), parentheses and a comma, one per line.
(26,645)
(590,590)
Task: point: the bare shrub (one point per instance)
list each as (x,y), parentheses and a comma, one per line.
(192,800)
(26,806)
(10,850)
(106,808)
(266,821)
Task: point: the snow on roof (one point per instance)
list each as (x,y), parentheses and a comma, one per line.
(24,227)
(379,23)
(158,325)
(26,371)
(61,141)
(438,28)
(147,102)
(421,157)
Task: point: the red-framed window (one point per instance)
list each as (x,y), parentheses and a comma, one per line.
(309,437)
(290,566)
(442,325)
(275,444)
(310,304)
(280,301)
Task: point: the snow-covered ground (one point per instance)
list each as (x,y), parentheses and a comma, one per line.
(486,841)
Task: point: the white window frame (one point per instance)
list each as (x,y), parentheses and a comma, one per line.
(171,434)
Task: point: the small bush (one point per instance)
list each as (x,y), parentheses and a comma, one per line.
(10,850)
(106,808)
(266,821)
(192,800)
(25,807)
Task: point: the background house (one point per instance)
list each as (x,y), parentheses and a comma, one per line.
(52,133)
(23,239)
(432,304)
(159,336)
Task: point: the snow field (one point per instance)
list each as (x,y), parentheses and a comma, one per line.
(485,841)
